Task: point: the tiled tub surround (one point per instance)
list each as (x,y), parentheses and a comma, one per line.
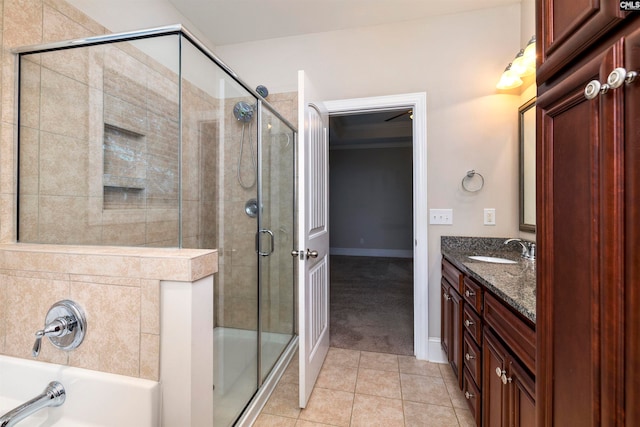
(515,284)
(119,289)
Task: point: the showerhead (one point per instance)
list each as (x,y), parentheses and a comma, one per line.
(243,112)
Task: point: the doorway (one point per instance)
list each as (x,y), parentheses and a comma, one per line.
(416,102)
(371,217)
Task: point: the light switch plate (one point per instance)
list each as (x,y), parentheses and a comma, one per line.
(441,216)
(489,216)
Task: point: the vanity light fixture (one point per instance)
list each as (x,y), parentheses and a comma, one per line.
(524,64)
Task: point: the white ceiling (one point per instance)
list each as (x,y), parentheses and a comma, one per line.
(226,22)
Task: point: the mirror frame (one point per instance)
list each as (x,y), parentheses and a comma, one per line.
(527,107)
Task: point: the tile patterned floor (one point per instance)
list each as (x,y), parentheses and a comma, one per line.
(359,388)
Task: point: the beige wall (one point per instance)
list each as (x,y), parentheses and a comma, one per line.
(457,60)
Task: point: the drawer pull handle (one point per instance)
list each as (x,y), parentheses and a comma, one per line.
(469,357)
(468,323)
(469,293)
(468,395)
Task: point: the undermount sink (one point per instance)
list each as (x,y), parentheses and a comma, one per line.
(493,259)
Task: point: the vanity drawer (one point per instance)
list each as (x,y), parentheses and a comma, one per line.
(452,274)
(472,357)
(472,324)
(472,294)
(473,396)
(514,331)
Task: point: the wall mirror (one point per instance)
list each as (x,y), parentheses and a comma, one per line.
(527,125)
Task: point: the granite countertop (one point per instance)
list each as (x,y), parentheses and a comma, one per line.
(515,284)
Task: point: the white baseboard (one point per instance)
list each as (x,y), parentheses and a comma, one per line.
(387,253)
(436,354)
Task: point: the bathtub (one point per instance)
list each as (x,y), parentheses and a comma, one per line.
(94,399)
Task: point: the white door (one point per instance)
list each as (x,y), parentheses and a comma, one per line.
(313,235)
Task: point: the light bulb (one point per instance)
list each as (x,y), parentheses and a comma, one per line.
(529,54)
(520,66)
(509,79)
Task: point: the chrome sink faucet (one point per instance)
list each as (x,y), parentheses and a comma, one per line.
(528,248)
(53,395)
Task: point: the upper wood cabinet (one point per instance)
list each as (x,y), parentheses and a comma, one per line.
(588,265)
(569,27)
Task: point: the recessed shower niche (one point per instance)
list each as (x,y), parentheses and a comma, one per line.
(131,139)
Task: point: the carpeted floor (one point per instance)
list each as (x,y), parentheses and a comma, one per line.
(372,304)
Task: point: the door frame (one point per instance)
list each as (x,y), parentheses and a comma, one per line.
(418,103)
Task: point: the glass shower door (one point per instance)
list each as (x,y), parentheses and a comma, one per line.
(276,238)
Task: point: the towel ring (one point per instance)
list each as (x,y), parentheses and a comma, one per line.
(471,185)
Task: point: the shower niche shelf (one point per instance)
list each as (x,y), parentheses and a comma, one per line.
(124,181)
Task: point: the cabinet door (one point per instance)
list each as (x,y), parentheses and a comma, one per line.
(522,399)
(579,197)
(445,318)
(456,335)
(494,391)
(568,27)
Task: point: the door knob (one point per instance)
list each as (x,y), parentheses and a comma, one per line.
(308,253)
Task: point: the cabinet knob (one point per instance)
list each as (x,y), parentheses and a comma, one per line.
(467,322)
(468,395)
(468,356)
(469,293)
(619,76)
(505,379)
(446,297)
(500,372)
(594,88)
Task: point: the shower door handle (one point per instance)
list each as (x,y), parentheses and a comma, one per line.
(259,241)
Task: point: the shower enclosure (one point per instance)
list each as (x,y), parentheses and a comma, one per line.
(147,139)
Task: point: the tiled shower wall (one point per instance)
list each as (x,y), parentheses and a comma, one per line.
(213,203)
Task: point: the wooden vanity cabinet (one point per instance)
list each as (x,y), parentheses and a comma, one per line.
(588,187)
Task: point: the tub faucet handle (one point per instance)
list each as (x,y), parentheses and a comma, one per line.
(58,328)
(65,326)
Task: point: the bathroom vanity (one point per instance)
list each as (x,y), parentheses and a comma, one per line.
(488,328)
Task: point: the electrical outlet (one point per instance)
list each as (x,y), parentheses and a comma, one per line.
(489,216)
(441,216)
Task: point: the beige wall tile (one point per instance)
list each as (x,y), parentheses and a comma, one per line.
(28,300)
(150,357)
(64,166)
(112,343)
(64,105)
(150,307)
(22,23)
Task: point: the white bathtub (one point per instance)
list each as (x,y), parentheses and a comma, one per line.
(93,399)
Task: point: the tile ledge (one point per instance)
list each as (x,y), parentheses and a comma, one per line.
(130,251)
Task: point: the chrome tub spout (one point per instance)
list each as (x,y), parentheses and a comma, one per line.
(53,395)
